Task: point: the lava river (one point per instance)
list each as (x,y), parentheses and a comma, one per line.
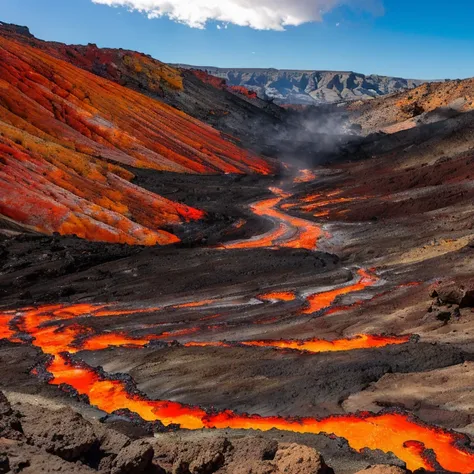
(60,331)
(288,231)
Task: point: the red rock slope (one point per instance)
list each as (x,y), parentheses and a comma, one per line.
(64,133)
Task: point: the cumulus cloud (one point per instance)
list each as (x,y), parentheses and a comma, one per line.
(258,14)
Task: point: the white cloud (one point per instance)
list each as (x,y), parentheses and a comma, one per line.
(258,14)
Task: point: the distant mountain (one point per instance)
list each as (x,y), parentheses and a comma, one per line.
(310,87)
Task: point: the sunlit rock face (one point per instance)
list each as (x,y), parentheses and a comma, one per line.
(64,134)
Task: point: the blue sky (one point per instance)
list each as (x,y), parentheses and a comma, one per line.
(426,39)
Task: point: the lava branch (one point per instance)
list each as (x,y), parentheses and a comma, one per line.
(288,231)
(323,300)
(361,341)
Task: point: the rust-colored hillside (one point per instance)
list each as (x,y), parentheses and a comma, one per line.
(207,98)
(65,134)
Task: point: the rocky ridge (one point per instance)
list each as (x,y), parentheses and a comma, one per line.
(310,87)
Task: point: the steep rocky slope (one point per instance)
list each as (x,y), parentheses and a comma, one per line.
(430,102)
(310,87)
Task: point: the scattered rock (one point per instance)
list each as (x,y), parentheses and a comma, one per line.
(444,316)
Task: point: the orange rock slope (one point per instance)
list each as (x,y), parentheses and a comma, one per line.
(64,133)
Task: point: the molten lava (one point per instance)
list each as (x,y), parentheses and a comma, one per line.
(50,328)
(362,341)
(288,231)
(324,300)
(278,296)
(305,176)
(243,91)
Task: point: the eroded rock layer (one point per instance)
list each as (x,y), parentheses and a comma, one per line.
(65,135)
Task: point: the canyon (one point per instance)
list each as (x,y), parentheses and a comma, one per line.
(195,288)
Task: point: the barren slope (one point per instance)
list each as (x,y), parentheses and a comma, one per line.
(426,103)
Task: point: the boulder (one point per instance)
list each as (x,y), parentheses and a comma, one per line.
(299,459)
(255,448)
(459,294)
(10,425)
(201,458)
(379,469)
(135,458)
(63,432)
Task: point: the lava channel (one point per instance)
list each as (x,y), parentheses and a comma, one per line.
(361,341)
(323,300)
(288,231)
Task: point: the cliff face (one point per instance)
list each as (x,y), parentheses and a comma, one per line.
(311,87)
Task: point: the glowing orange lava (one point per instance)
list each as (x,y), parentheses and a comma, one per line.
(103,341)
(389,432)
(289,231)
(5,330)
(207,344)
(278,296)
(305,176)
(324,300)
(194,304)
(362,341)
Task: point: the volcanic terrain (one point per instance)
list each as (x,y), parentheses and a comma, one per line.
(204,307)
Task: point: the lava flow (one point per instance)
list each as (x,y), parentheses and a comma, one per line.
(288,231)
(278,296)
(361,341)
(305,176)
(401,434)
(324,300)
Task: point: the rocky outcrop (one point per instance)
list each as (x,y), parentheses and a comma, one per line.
(379,469)
(38,439)
(66,135)
(427,103)
(196,93)
(64,433)
(248,455)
